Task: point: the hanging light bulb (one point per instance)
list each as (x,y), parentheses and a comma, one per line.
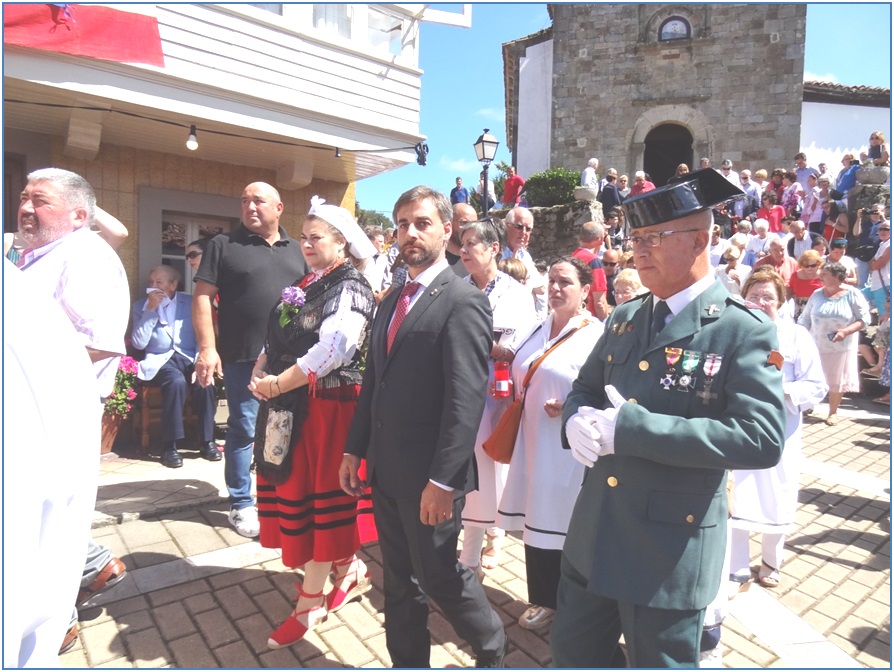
(191,142)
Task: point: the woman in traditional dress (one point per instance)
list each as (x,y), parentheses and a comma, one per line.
(513,312)
(543,478)
(311,370)
(765,500)
(834,315)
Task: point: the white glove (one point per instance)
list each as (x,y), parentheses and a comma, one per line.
(583,437)
(604,421)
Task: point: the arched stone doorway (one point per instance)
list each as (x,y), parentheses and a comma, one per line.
(688,118)
(666,147)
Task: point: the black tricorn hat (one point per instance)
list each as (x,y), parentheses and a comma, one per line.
(683,195)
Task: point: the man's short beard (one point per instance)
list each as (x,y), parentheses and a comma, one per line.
(42,235)
(426,257)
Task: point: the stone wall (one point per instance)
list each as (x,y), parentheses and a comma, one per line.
(736,85)
(555,228)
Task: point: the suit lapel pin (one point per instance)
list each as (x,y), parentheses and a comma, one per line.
(433,292)
(711,309)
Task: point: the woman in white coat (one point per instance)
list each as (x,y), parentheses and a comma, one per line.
(543,478)
(513,312)
(766,500)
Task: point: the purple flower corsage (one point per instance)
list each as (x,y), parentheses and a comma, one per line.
(292,299)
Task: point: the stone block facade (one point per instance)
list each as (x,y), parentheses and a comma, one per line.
(117,174)
(556,228)
(735,84)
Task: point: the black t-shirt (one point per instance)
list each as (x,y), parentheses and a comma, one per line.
(249,274)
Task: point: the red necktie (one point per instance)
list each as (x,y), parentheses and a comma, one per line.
(400,312)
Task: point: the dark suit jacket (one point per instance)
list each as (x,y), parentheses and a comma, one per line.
(649,525)
(421,404)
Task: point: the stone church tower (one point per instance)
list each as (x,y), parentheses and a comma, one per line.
(649,86)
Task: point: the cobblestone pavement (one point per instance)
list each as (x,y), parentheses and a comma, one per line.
(199,595)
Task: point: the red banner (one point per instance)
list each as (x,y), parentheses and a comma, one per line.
(84,30)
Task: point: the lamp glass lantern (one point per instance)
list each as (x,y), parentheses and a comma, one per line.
(486,147)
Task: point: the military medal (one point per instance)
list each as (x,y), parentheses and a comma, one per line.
(711,367)
(689,365)
(671,356)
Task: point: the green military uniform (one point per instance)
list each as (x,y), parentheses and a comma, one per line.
(647,537)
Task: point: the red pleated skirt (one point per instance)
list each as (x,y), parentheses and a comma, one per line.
(309,516)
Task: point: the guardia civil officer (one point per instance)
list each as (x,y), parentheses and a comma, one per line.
(685,384)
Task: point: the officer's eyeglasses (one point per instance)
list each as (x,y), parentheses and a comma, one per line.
(654,238)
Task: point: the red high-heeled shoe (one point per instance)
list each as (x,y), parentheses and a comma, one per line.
(293,630)
(343,591)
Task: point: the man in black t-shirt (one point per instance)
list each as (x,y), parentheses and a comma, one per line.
(247,270)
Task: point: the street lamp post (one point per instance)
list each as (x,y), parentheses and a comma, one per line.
(485,149)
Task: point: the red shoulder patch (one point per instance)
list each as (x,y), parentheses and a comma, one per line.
(776,359)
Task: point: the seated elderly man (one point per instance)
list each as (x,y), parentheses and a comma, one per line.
(162,326)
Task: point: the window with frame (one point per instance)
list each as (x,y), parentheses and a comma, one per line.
(674,28)
(178,231)
(385,31)
(334,20)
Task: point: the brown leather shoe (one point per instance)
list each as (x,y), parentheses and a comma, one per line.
(70,639)
(111,574)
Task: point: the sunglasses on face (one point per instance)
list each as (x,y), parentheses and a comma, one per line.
(609,263)
(193,254)
(810,265)
(522,227)
(884,228)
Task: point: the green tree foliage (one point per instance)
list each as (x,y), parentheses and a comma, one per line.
(552,187)
(372,218)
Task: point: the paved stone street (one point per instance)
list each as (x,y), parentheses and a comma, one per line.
(199,595)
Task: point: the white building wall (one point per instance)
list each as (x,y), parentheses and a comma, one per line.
(237,53)
(830,131)
(535,103)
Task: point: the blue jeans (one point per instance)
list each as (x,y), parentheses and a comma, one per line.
(243,409)
(862,273)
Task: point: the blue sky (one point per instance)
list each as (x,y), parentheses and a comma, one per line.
(462,84)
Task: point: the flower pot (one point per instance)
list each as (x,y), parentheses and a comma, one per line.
(110,426)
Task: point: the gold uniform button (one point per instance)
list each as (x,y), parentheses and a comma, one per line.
(632,400)
(612,482)
(644,365)
(690,518)
(609,358)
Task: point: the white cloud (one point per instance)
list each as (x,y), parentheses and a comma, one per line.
(491,113)
(460,166)
(828,78)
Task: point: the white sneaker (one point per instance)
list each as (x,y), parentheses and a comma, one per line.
(245,521)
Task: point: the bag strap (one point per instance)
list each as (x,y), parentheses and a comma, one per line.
(536,363)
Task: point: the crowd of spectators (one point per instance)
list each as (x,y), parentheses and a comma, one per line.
(293,360)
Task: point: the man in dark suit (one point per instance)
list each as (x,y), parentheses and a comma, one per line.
(419,409)
(162,326)
(684,385)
